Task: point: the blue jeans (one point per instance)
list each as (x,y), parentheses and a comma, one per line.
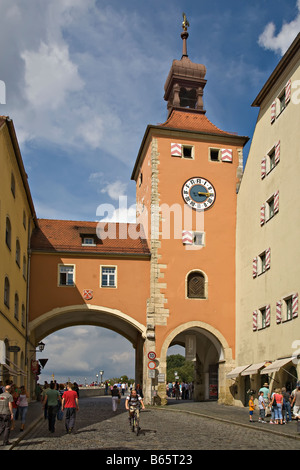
(23,412)
(278,411)
(287,411)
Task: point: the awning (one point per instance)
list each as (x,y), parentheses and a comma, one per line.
(276,365)
(253,369)
(235,372)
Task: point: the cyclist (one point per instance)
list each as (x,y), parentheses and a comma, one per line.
(133,403)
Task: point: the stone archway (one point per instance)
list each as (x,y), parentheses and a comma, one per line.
(207,347)
(96,315)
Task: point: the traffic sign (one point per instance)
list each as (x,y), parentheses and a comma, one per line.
(151,355)
(151,365)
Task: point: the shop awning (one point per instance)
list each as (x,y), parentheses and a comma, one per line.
(276,365)
(235,372)
(253,369)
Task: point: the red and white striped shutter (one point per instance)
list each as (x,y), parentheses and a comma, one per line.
(278,311)
(276,202)
(295,305)
(254,320)
(254,267)
(263,167)
(268,315)
(187,237)
(273,111)
(277,152)
(176,150)
(226,155)
(262,214)
(268,258)
(288,91)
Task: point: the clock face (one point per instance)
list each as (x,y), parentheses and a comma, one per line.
(198,193)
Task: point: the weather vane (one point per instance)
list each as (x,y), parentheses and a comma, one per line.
(185,23)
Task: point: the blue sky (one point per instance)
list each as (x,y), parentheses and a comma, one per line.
(84,78)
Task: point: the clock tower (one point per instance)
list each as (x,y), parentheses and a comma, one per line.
(187,177)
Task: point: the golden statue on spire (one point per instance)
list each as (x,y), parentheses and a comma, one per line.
(185,23)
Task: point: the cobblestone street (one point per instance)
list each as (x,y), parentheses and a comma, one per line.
(199,427)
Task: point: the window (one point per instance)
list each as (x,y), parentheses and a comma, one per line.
(16,310)
(196,285)
(214,155)
(66,275)
(263,317)
(13,185)
(262,258)
(24,219)
(272,159)
(270,203)
(199,238)
(6,292)
(282,104)
(108,276)
(187,151)
(8,233)
(23,315)
(18,254)
(24,267)
(289,308)
(88,241)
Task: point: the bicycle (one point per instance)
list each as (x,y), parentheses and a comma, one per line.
(135,421)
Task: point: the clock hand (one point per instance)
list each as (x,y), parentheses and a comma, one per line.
(204,194)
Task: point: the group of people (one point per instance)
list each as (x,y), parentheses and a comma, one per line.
(183,390)
(13,406)
(281,405)
(55,398)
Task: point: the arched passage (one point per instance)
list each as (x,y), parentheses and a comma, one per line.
(209,351)
(101,316)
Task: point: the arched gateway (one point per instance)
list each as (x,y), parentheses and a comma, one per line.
(170,278)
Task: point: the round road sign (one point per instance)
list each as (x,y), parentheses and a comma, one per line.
(152,365)
(151,355)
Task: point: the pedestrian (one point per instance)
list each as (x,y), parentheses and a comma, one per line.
(139,391)
(177,391)
(15,394)
(251,408)
(182,390)
(60,413)
(45,407)
(116,396)
(52,397)
(71,405)
(287,413)
(106,388)
(276,403)
(23,406)
(6,414)
(266,395)
(296,401)
(76,388)
(262,408)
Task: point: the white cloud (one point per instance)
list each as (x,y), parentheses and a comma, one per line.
(280,43)
(50,76)
(115,190)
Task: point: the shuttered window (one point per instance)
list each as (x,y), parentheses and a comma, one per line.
(196,285)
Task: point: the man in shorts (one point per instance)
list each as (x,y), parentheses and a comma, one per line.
(132,403)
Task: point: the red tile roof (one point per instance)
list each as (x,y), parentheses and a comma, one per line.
(192,121)
(67,236)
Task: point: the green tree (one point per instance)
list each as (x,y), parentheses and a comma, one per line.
(184,369)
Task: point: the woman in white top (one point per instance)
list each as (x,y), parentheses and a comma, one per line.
(23,406)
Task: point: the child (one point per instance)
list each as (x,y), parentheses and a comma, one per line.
(262,408)
(251,408)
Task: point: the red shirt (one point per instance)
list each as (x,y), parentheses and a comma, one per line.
(69,397)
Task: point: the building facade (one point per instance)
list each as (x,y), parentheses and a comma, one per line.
(268,230)
(17,220)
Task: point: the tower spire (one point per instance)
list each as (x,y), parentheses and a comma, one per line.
(184,35)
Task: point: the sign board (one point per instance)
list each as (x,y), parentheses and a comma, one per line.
(161,378)
(151,374)
(152,365)
(14,348)
(151,355)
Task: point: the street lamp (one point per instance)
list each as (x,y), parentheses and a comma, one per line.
(101,373)
(97,379)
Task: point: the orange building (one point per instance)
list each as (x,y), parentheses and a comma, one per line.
(175,282)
